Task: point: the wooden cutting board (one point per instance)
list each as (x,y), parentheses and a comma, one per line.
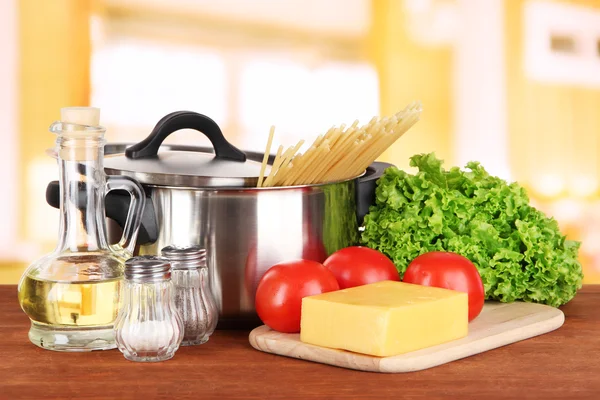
(498,324)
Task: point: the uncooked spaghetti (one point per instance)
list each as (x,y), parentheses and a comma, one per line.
(342,153)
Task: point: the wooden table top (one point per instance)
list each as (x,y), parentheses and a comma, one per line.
(564,364)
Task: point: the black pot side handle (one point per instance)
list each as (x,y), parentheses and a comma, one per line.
(185,120)
(116,204)
(365,188)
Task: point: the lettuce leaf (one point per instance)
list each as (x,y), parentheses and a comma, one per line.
(520,252)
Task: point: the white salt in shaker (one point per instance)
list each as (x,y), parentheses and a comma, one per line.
(193,296)
(148,327)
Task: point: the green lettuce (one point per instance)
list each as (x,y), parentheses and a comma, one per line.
(520,252)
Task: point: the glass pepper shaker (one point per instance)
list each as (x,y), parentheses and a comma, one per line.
(193,296)
(148,327)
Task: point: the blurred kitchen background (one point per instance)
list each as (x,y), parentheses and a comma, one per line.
(514,84)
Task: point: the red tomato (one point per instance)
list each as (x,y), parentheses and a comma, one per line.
(281,289)
(357,266)
(450,271)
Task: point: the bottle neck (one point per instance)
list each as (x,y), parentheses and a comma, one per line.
(82,189)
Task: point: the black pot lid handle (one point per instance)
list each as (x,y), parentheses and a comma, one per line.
(185,120)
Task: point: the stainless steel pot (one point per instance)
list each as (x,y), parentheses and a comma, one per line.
(196,197)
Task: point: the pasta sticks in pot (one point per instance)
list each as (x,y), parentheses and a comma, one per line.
(266,157)
(341,148)
(287,160)
(304,161)
(309,162)
(395,127)
(281,162)
(274,168)
(300,164)
(376,151)
(341,153)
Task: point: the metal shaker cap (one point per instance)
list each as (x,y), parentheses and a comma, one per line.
(147,269)
(185,257)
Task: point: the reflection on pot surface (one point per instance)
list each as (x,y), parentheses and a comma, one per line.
(340,227)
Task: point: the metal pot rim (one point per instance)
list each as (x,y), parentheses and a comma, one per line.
(253,188)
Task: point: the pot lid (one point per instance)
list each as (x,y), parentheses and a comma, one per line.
(184,168)
(148,164)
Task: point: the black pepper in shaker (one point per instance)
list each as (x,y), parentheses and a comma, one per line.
(193,296)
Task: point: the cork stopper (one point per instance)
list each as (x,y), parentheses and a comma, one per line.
(85,124)
(89,116)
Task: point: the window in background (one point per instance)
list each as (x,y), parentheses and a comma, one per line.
(136,82)
(560,43)
(247,71)
(136,78)
(301,101)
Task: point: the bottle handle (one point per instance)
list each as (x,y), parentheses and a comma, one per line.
(136,208)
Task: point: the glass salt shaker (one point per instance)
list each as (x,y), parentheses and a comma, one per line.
(193,296)
(148,327)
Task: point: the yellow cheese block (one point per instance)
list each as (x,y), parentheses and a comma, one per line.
(384,318)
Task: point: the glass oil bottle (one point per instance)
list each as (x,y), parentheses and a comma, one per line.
(72,294)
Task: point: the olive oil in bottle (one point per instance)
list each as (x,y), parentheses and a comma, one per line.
(70,304)
(73,300)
